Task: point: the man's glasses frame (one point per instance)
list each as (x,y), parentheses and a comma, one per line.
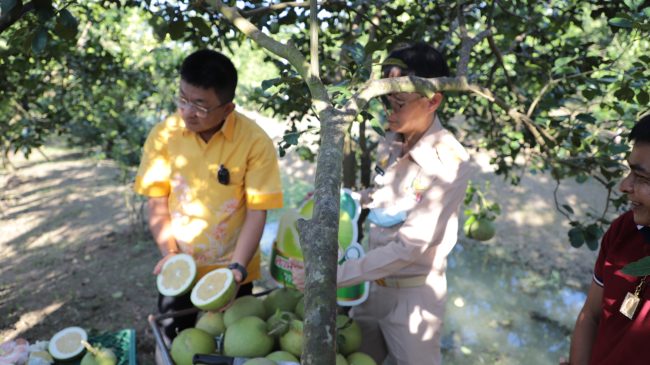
(201,111)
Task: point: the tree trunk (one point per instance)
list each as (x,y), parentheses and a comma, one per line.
(319,242)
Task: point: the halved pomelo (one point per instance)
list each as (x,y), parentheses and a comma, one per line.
(67,343)
(177,275)
(214,290)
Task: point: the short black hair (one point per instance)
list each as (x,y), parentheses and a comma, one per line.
(420,60)
(210,69)
(641,130)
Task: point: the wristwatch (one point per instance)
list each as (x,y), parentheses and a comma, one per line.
(239,267)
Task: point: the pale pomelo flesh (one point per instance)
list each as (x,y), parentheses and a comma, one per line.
(67,343)
(214,290)
(177,275)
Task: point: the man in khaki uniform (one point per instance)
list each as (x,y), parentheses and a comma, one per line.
(421,179)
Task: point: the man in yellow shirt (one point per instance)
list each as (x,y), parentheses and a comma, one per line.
(210,174)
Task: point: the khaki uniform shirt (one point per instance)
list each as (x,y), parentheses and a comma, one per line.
(429,184)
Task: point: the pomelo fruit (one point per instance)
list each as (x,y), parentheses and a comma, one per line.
(259,361)
(278,324)
(189,342)
(300,308)
(177,275)
(247,337)
(281,356)
(481,230)
(247,305)
(214,290)
(66,344)
(284,299)
(212,323)
(98,355)
(359,358)
(340,360)
(348,335)
(292,340)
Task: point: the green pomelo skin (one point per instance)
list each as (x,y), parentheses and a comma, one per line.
(278,324)
(212,323)
(300,309)
(281,356)
(243,307)
(359,358)
(348,335)
(247,337)
(340,360)
(482,230)
(284,299)
(292,340)
(260,361)
(103,356)
(189,342)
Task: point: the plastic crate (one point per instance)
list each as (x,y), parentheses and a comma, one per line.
(121,342)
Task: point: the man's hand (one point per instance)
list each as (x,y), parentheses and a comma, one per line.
(564,361)
(298,274)
(159,265)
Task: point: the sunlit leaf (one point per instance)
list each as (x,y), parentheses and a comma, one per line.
(621,22)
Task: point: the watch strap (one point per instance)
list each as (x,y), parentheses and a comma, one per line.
(241,268)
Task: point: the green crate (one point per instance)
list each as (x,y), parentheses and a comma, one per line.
(121,342)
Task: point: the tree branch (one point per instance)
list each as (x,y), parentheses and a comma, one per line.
(467,42)
(320,98)
(276,7)
(6,20)
(313,38)
(428,87)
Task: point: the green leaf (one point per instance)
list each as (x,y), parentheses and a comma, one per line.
(66,25)
(201,26)
(7,5)
(587,118)
(576,236)
(633,4)
(356,52)
(562,61)
(39,41)
(176,29)
(638,268)
(567,208)
(642,97)
(374,123)
(621,22)
(624,94)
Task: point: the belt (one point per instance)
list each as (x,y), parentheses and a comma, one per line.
(404,282)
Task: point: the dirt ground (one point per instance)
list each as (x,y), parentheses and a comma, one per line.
(74,250)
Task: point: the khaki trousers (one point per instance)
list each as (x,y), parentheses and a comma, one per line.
(403,322)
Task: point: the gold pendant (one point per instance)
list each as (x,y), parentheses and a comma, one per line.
(628,307)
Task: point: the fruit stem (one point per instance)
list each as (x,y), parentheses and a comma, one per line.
(89,347)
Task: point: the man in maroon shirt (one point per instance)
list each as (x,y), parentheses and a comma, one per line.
(613,327)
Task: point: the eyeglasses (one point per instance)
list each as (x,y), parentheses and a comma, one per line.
(201,111)
(395,102)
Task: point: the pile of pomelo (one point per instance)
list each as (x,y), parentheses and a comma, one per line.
(264,330)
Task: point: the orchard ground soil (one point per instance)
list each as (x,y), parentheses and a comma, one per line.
(75,250)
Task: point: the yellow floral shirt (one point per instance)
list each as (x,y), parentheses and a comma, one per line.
(206,215)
